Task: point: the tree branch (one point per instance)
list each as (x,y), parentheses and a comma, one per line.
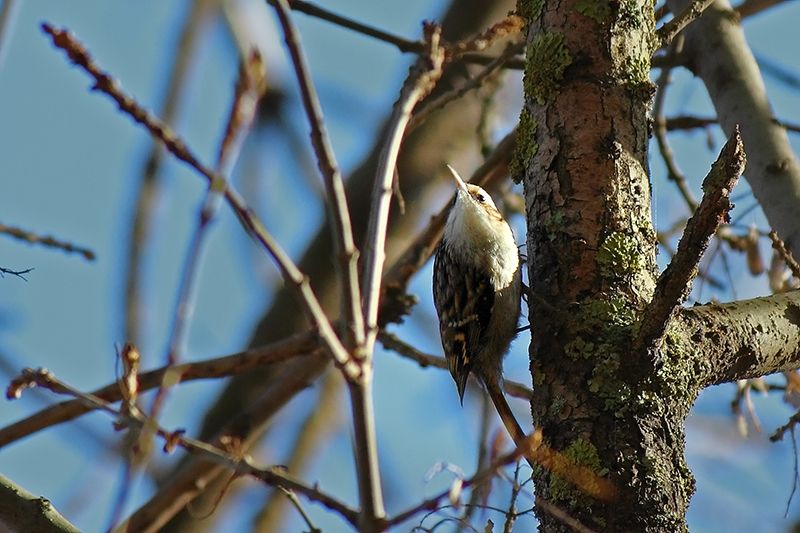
(274,476)
(785,254)
(668,31)
(421,80)
(660,130)
(291,274)
(423,77)
(674,283)
(342,227)
(741,340)
(244,429)
(721,57)
(402,44)
(148,191)
(22,511)
(392,342)
(46,241)
(239,363)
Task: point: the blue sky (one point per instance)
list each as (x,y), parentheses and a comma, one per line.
(69,165)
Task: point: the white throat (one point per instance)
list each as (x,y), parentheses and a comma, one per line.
(475,236)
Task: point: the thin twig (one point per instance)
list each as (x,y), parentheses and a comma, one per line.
(241,431)
(46,241)
(660,131)
(480,493)
(292,497)
(789,425)
(231,365)
(674,283)
(511,25)
(668,31)
(785,254)
(365,449)
(402,44)
(18,273)
(312,10)
(432,503)
(311,436)
(532,448)
(272,476)
(688,122)
(511,513)
(473,83)
(291,274)
(342,228)
(394,343)
(249,88)
(421,80)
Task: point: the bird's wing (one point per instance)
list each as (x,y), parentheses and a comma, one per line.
(463,297)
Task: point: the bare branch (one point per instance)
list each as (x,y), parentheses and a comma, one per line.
(394,343)
(473,83)
(479,477)
(312,435)
(46,241)
(785,254)
(675,282)
(292,275)
(239,363)
(660,130)
(672,28)
(422,78)
(725,63)
(23,511)
(18,273)
(248,90)
(402,44)
(788,426)
(687,122)
(741,340)
(342,228)
(274,476)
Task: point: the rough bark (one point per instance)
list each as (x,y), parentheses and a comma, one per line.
(591,251)
(22,511)
(583,147)
(738,340)
(715,50)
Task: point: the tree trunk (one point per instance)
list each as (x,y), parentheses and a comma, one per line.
(591,246)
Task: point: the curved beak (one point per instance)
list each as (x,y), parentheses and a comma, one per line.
(459,182)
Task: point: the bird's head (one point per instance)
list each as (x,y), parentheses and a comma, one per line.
(474,221)
(473,197)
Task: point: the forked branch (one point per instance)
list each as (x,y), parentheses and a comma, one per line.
(674,283)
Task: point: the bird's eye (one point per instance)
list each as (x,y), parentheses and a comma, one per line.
(480,197)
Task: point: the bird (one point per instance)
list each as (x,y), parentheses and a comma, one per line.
(476,292)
